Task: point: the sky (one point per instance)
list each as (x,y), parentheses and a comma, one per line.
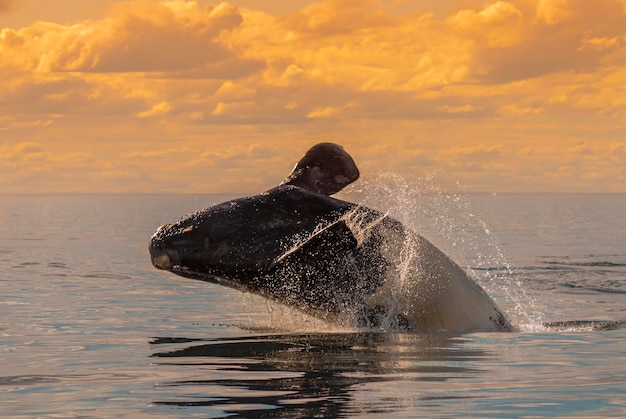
(181,96)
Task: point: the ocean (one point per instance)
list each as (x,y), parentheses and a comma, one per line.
(90,329)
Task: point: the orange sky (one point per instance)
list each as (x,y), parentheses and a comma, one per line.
(193,96)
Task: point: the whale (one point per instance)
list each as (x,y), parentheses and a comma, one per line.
(339,261)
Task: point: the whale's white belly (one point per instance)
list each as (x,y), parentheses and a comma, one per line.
(434,293)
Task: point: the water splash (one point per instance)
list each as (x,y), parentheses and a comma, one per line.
(448,220)
(268,316)
(583,325)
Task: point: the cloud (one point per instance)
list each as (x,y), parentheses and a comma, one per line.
(22,153)
(198,88)
(160,108)
(334,17)
(498,24)
(224,157)
(618,149)
(141,36)
(551,12)
(551,41)
(157,154)
(320,48)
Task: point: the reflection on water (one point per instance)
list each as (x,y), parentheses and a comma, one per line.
(309,375)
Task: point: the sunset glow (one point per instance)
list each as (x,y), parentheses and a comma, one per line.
(192,96)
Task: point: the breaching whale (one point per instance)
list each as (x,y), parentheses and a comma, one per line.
(336,260)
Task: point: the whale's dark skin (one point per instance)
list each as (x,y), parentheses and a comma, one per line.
(295,244)
(288,244)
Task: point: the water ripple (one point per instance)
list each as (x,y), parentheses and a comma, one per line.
(307,375)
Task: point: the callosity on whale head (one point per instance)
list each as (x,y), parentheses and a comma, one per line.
(326,168)
(334,259)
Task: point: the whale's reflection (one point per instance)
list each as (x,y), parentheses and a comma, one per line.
(312,375)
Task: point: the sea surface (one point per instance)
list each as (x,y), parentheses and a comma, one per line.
(88,328)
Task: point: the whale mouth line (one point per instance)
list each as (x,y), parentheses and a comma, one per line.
(208,277)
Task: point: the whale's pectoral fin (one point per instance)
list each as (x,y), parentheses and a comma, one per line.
(320,248)
(328,271)
(326,169)
(311,274)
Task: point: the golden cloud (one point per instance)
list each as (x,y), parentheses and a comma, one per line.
(22,153)
(141,36)
(551,12)
(464,91)
(160,108)
(351,44)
